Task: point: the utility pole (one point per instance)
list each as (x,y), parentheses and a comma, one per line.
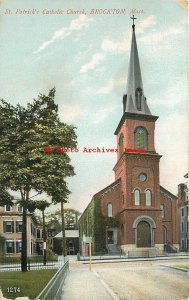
(90,258)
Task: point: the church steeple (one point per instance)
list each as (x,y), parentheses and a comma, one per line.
(134,101)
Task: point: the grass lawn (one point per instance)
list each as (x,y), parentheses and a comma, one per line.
(19,284)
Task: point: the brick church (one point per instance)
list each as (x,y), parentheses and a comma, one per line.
(134,213)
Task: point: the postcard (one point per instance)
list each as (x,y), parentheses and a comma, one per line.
(118,72)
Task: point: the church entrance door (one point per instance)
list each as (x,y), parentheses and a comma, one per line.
(164,231)
(143,234)
(111,237)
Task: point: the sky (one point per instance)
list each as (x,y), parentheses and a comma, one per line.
(83,51)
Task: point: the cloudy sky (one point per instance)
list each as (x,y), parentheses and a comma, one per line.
(86,57)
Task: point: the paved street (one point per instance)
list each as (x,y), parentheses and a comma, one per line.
(145,280)
(141,280)
(84,285)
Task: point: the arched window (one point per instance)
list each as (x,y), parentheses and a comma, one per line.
(110,209)
(138,97)
(137,197)
(162,206)
(140,138)
(121,139)
(148,198)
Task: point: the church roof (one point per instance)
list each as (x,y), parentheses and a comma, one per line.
(169,194)
(109,187)
(68,233)
(135,101)
(134,116)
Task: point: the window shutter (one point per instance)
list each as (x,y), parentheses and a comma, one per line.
(4,226)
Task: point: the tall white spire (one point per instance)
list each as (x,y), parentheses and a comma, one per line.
(135,101)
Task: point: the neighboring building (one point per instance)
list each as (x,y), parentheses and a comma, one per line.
(134,212)
(11,231)
(72,241)
(183,204)
(71,232)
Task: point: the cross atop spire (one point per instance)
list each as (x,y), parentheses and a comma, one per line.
(133,18)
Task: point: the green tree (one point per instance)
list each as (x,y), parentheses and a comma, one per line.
(24,166)
(5,197)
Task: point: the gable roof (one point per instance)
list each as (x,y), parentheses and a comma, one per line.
(169,194)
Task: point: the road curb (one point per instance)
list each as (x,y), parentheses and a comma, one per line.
(175,268)
(109,290)
(117,260)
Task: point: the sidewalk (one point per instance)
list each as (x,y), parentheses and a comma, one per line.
(85,285)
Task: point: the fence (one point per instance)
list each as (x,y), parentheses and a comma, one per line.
(53,289)
(33,263)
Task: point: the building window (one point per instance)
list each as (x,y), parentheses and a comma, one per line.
(182,227)
(38,233)
(182,244)
(121,139)
(33,230)
(186,194)
(19,208)
(18,246)
(137,197)
(162,210)
(110,209)
(148,198)
(142,177)
(182,211)
(9,246)
(18,226)
(123,199)
(187,224)
(8,207)
(138,97)
(140,138)
(8,226)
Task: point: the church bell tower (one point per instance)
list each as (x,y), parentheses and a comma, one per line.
(138,162)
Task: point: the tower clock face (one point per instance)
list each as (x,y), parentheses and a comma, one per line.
(142,177)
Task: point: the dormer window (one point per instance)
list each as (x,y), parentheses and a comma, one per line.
(138,97)
(8,207)
(19,208)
